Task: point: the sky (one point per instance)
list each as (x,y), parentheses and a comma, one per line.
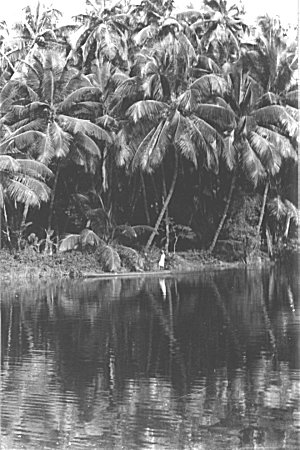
(287,10)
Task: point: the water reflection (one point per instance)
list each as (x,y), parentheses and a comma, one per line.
(204,361)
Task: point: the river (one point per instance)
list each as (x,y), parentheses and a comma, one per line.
(204,361)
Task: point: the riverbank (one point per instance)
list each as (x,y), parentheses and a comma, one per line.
(29,264)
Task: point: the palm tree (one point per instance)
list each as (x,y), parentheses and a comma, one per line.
(264,136)
(184,127)
(220,30)
(37,30)
(274,64)
(102,34)
(23,181)
(284,212)
(47,106)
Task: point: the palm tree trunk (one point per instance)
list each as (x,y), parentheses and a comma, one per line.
(22,226)
(269,242)
(0,227)
(51,206)
(287,226)
(156,196)
(7,227)
(145,199)
(263,207)
(167,211)
(165,205)
(224,216)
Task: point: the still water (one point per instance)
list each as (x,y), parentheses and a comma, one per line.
(198,361)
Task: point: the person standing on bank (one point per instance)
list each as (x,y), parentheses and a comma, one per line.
(161,263)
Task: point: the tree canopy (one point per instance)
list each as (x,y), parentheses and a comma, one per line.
(158,117)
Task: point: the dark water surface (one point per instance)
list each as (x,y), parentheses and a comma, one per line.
(201,361)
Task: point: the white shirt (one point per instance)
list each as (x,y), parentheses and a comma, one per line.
(162,260)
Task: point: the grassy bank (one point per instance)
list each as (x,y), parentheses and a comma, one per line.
(32,265)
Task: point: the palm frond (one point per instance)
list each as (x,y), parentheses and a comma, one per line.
(276,115)
(207,64)
(188,100)
(280,143)
(292,211)
(8,164)
(73,125)
(108,122)
(187,49)
(14,127)
(182,138)
(144,34)
(152,149)
(39,188)
(37,125)
(19,192)
(60,140)
(34,169)
(293,112)
(210,135)
(266,152)
(89,237)
(210,85)
(251,164)
(109,258)
(229,151)
(125,151)
(277,208)
(129,87)
(292,98)
(221,118)
(77,81)
(45,149)
(78,96)
(87,144)
(74,241)
(70,242)
(156,87)
(146,109)
(23,140)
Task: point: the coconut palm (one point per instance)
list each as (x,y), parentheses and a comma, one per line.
(23,181)
(273,63)
(220,30)
(263,138)
(102,34)
(47,106)
(186,127)
(37,29)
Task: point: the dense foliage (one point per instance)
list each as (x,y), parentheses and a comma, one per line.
(184,123)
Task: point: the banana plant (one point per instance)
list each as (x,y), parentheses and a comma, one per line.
(105,237)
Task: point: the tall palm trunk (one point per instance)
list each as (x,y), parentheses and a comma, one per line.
(0,227)
(167,210)
(224,216)
(263,207)
(22,226)
(52,199)
(165,205)
(287,226)
(145,199)
(7,227)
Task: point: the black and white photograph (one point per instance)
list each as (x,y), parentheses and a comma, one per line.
(149,225)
